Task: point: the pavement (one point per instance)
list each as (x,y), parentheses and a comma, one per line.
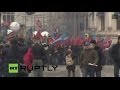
(108,71)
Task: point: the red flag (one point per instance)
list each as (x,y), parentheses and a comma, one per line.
(71,41)
(107,43)
(68,42)
(79,41)
(38,25)
(38,36)
(28,59)
(75,41)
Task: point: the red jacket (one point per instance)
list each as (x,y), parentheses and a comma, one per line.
(28,59)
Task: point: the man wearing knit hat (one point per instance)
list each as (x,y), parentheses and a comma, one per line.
(88,60)
(115,54)
(100,55)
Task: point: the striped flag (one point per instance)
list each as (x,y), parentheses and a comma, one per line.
(63,37)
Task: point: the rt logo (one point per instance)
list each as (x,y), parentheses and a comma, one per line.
(13,68)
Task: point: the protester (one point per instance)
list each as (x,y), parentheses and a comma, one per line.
(70,63)
(46,57)
(75,51)
(1,60)
(100,62)
(38,53)
(11,56)
(88,60)
(55,56)
(61,54)
(115,54)
(23,48)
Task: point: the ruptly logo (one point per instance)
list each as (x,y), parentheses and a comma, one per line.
(14,68)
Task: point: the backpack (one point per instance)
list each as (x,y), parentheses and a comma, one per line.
(69,60)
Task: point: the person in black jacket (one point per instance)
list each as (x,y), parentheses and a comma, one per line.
(46,57)
(75,52)
(22,49)
(11,55)
(55,55)
(1,60)
(38,54)
(61,54)
(100,55)
(115,54)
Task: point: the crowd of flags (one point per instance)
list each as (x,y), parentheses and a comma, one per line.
(56,38)
(65,39)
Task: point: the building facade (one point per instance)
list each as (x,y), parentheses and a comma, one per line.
(105,23)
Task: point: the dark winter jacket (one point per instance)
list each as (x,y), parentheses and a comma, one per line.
(38,51)
(11,53)
(22,51)
(100,55)
(115,53)
(88,56)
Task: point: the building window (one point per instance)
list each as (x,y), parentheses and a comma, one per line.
(101,15)
(8,17)
(117,17)
(102,22)
(118,23)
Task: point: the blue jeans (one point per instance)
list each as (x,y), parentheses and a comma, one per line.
(88,70)
(98,73)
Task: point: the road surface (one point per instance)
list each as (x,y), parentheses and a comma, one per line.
(62,72)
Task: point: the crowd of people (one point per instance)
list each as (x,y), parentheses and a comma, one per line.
(89,56)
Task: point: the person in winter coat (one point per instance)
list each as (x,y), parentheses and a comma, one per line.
(70,63)
(1,60)
(55,56)
(39,54)
(11,56)
(115,54)
(88,60)
(101,55)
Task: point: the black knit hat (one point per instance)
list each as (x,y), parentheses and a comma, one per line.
(93,41)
